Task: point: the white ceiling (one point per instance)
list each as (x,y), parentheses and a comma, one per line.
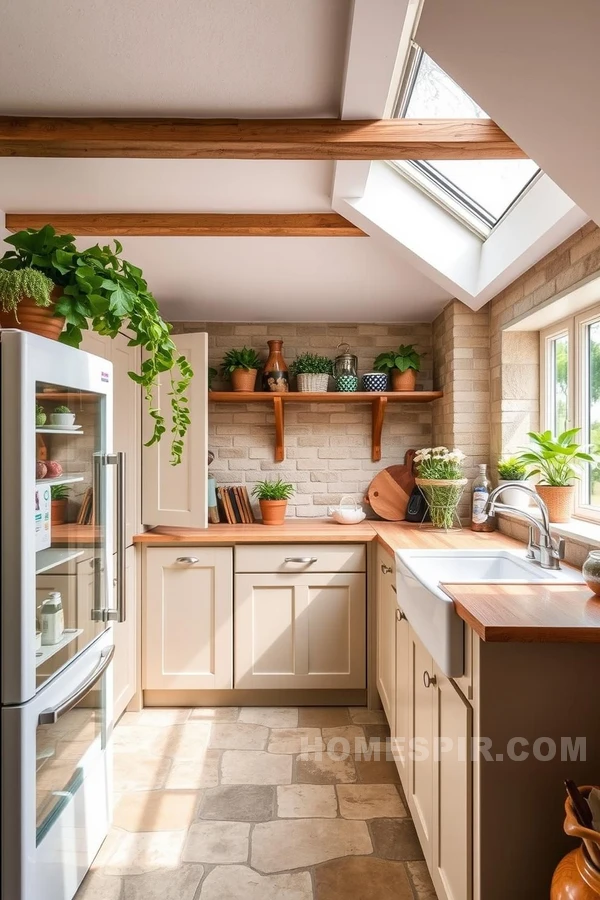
(173,57)
(534,66)
(281,280)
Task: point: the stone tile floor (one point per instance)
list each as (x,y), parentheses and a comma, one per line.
(256,804)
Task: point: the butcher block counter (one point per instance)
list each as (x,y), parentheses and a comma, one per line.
(535,612)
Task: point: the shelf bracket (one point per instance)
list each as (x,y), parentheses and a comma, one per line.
(377,417)
(279,429)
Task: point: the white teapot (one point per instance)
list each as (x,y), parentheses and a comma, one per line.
(347,513)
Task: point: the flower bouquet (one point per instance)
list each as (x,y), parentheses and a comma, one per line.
(440,479)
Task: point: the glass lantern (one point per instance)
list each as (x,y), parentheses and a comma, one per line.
(345,369)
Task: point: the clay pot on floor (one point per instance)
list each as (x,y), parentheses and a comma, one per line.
(577,876)
(559,500)
(273,511)
(243,379)
(404,381)
(35,319)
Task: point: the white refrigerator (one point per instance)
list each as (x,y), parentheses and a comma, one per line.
(58,472)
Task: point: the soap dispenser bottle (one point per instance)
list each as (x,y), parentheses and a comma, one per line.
(480,521)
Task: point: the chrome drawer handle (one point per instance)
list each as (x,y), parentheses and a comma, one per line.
(400,616)
(307,560)
(52,715)
(386,569)
(188,560)
(428,679)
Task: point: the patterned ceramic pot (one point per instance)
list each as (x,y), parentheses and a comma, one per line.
(346,383)
(375,381)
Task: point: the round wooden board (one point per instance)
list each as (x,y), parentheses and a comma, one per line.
(390,490)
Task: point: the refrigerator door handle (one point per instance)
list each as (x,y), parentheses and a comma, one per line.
(52,715)
(118,460)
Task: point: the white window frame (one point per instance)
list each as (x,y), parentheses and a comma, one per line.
(577,398)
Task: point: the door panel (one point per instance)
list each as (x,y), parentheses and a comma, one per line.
(420,783)
(124,635)
(400,731)
(188,618)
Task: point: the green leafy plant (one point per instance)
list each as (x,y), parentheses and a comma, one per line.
(20,284)
(557,460)
(310,364)
(102,291)
(40,415)
(246,358)
(59,491)
(511,469)
(405,357)
(212,373)
(62,410)
(439,463)
(273,490)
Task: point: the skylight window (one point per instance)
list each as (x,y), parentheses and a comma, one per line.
(479,191)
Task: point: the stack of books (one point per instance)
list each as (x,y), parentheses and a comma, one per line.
(86,510)
(234,505)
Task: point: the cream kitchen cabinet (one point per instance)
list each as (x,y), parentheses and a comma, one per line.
(125,639)
(187,618)
(386,633)
(400,730)
(177,495)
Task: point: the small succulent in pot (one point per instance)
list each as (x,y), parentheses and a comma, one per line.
(273,497)
(59,494)
(40,416)
(63,417)
(511,470)
(241,366)
(312,372)
(402,364)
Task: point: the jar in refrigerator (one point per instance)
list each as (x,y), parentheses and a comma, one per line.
(52,619)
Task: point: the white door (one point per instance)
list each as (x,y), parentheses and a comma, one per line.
(187,618)
(124,636)
(300,631)
(452,792)
(386,634)
(176,495)
(420,780)
(400,732)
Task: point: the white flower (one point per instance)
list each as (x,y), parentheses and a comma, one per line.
(439,451)
(458,454)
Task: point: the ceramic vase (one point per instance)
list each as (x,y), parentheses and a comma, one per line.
(276,378)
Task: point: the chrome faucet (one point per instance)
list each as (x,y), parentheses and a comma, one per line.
(544,551)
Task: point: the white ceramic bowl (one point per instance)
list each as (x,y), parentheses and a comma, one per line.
(63,419)
(347,513)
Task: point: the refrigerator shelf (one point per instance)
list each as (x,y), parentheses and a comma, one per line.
(45,652)
(57,430)
(55,556)
(62,479)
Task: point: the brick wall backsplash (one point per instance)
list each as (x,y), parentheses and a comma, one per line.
(327,446)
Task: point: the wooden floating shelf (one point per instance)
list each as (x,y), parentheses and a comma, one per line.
(378,401)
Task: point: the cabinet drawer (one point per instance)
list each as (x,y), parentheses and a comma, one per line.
(294,558)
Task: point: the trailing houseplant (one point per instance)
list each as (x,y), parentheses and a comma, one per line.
(241,366)
(94,288)
(557,461)
(511,471)
(273,497)
(312,372)
(402,364)
(441,480)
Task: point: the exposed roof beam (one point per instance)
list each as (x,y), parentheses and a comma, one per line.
(189,224)
(256,139)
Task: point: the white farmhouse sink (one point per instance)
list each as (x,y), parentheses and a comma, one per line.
(430,610)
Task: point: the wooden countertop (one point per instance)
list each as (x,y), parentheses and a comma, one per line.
(296,530)
(535,613)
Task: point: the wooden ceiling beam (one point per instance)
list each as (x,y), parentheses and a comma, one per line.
(331,139)
(189,224)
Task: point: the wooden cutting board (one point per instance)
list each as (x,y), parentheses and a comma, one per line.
(390,490)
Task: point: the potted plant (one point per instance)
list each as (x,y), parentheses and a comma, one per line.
(312,372)
(273,497)
(241,366)
(512,471)
(51,288)
(212,374)
(402,364)
(557,460)
(40,416)
(441,481)
(59,494)
(62,416)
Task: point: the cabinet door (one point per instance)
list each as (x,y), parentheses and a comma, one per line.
(400,731)
(176,495)
(300,631)
(187,618)
(452,792)
(420,727)
(386,634)
(124,635)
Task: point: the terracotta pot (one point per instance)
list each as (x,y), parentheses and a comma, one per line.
(276,377)
(559,500)
(243,379)
(273,511)
(577,876)
(58,512)
(35,319)
(404,381)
